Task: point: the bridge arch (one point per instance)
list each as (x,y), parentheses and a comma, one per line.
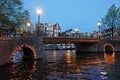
(108,47)
(27,50)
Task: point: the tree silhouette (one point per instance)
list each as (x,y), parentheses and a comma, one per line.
(111,20)
(12,14)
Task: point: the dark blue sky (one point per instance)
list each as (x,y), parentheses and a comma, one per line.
(81,14)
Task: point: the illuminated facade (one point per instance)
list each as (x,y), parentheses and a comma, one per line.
(48,29)
(56,30)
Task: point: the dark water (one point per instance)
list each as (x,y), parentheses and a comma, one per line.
(65,65)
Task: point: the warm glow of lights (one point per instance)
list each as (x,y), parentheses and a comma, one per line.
(54,54)
(33,50)
(108,45)
(99,23)
(109,58)
(28,24)
(39,11)
(68,57)
(20,48)
(30,69)
(13,52)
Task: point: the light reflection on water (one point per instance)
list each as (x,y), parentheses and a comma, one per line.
(65,65)
(109,58)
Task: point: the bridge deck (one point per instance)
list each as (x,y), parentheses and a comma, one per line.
(56,40)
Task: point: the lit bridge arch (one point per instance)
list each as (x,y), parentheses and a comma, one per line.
(29,47)
(108,47)
(28,52)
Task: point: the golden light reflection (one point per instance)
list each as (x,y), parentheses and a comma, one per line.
(54,54)
(109,58)
(68,57)
(20,70)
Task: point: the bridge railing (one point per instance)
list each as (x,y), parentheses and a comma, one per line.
(85,37)
(17,38)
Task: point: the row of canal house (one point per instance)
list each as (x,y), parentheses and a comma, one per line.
(76,33)
(50,30)
(46,29)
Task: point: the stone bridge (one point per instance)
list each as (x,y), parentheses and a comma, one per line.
(86,44)
(31,46)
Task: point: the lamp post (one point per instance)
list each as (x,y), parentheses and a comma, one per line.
(39,11)
(99,24)
(28,26)
(76,32)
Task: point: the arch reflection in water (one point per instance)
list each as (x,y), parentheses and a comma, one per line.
(23,71)
(109,57)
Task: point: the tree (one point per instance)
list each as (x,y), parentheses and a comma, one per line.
(12,13)
(111,20)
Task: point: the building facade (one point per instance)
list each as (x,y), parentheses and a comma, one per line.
(48,29)
(56,30)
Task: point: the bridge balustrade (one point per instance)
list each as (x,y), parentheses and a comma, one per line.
(85,37)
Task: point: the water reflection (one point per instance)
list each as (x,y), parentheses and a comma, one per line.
(18,71)
(68,56)
(66,65)
(23,70)
(109,58)
(54,55)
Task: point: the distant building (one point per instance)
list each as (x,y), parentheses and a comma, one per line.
(48,29)
(107,33)
(56,30)
(72,33)
(68,32)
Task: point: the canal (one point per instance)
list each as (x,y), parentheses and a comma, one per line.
(65,65)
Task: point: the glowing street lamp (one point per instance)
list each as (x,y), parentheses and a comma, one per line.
(39,11)
(99,24)
(28,24)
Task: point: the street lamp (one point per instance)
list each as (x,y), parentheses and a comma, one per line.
(28,26)
(99,24)
(39,11)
